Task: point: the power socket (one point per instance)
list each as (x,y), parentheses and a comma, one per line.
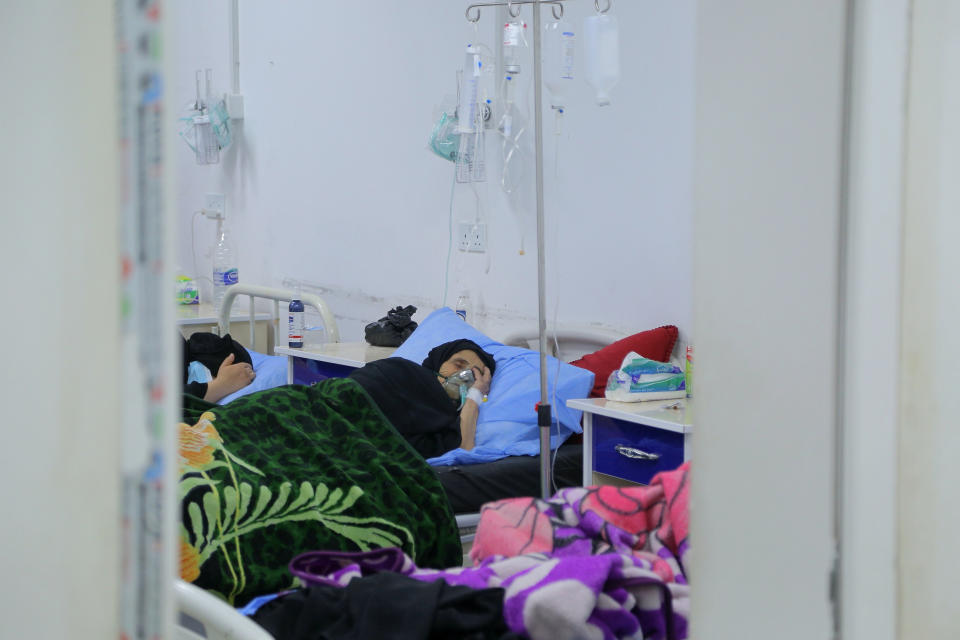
(472,236)
(214,205)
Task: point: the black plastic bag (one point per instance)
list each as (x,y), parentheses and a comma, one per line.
(392,329)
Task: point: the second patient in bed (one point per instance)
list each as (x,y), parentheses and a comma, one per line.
(433,417)
(226,360)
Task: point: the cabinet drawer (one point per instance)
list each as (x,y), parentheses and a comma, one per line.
(307,371)
(615,441)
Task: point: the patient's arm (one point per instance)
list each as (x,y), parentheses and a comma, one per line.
(470,410)
(231,377)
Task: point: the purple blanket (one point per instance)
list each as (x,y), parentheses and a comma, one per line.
(579,565)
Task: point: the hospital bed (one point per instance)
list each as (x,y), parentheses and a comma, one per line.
(467,485)
(271,370)
(470,486)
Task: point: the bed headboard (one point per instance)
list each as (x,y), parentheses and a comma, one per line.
(277,296)
(574,340)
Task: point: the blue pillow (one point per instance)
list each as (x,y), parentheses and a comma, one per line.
(507,423)
(271,372)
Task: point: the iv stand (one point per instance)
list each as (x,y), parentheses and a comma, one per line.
(543,408)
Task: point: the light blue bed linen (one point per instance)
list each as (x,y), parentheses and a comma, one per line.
(507,423)
(271,372)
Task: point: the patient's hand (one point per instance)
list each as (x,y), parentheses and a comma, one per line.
(482,383)
(230,377)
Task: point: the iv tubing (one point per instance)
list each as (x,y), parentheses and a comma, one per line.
(235,46)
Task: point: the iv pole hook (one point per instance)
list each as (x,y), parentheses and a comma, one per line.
(557,10)
(596,4)
(510,10)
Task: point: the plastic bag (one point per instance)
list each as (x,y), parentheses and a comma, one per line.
(640,378)
(392,329)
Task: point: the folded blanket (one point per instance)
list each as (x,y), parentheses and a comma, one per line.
(294,468)
(596,562)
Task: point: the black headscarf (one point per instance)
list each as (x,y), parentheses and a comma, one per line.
(440,354)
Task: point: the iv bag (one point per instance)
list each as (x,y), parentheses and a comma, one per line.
(558,51)
(601,53)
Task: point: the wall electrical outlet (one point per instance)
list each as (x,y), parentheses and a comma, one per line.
(214,205)
(472,236)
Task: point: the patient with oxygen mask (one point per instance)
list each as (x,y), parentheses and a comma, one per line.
(435,405)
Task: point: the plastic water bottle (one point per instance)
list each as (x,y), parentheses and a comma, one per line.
(225,271)
(295,332)
(463,306)
(601,54)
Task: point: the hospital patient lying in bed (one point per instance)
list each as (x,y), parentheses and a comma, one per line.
(433,405)
(220,358)
(296,468)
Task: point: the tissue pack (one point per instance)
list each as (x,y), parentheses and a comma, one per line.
(640,378)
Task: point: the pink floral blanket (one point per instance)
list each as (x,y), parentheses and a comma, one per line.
(594,562)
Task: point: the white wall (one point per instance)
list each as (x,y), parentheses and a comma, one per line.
(330,181)
(767,194)
(929,498)
(59,386)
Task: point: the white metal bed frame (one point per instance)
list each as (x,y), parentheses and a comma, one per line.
(277,296)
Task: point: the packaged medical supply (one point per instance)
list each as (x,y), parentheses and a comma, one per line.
(295,323)
(601,53)
(225,272)
(187,292)
(463,305)
(640,378)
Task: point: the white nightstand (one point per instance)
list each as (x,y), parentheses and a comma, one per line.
(634,440)
(316,362)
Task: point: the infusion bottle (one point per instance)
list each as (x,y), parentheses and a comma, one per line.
(295,323)
(601,54)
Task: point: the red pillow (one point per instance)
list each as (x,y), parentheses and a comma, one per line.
(656,344)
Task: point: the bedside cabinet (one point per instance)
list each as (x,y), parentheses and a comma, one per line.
(633,441)
(313,363)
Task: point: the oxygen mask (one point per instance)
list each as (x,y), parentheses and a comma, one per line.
(458,385)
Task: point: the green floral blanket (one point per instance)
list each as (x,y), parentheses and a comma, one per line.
(295,469)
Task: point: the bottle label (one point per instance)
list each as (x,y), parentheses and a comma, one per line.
(513,34)
(295,323)
(228,277)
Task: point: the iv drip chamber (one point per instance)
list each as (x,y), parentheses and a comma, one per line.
(601,53)
(469,89)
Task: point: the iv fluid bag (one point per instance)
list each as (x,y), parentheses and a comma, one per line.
(601,53)
(558,51)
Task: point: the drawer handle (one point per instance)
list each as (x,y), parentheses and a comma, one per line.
(636,454)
